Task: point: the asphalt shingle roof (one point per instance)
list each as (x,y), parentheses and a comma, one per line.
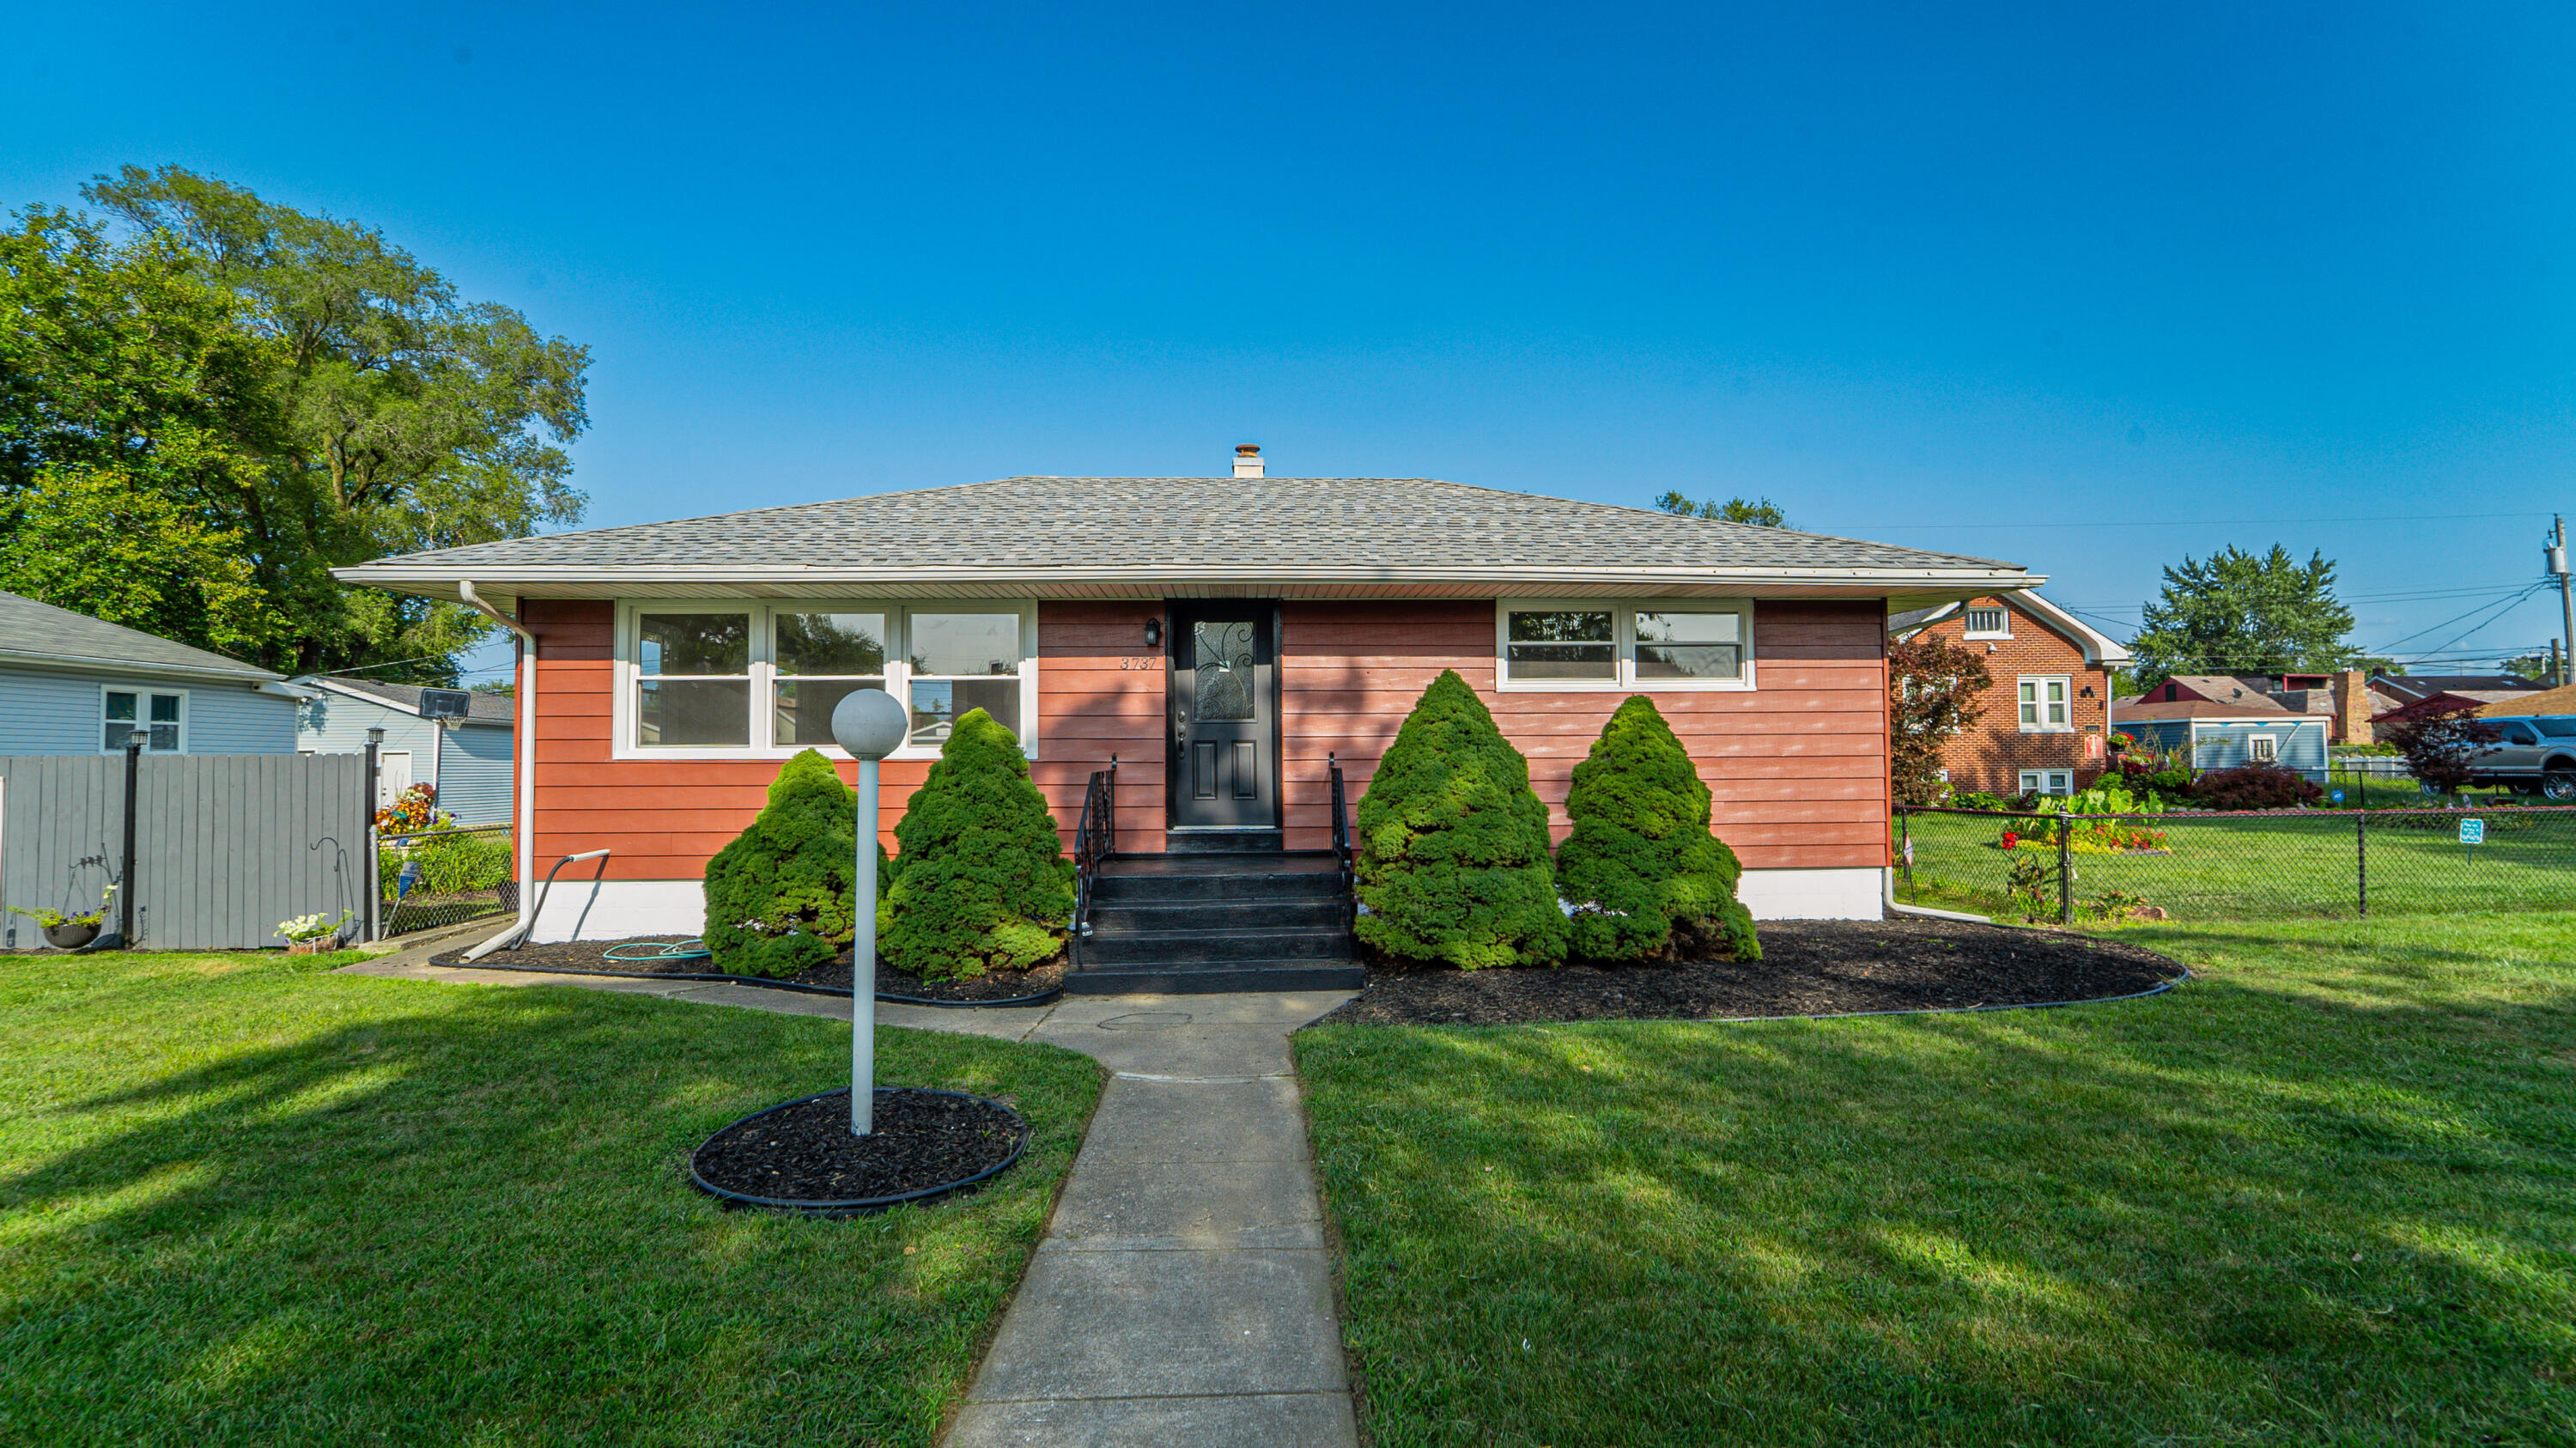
(39,630)
(1070,524)
(480,708)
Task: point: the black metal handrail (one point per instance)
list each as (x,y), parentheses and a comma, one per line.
(1342,841)
(1095,840)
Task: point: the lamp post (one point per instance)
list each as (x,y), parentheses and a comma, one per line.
(870,725)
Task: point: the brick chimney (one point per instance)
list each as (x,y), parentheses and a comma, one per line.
(1247,460)
(2352,707)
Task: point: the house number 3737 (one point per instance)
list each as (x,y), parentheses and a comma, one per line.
(1149,662)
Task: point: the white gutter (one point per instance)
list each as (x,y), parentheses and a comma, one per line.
(776,574)
(523,752)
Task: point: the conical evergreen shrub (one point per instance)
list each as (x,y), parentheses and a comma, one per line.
(980,878)
(783,895)
(1453,861)
(1646,877)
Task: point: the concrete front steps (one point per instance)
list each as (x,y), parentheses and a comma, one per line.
(1192,924)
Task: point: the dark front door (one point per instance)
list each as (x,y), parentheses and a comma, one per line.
(1224,763)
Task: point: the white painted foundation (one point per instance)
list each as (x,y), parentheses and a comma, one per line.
(1850,894)
(618,909)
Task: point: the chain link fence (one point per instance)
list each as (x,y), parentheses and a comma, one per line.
(2214,866)
(444,877)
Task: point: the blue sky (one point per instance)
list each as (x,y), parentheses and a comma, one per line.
(2055,284)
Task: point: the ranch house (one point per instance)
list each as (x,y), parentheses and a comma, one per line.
(1230,642)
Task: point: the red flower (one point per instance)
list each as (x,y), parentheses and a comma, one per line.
(2011,839)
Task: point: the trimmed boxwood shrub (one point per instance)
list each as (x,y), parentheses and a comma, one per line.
(980,879)
(1453,859)
(783,895)
(1647,879)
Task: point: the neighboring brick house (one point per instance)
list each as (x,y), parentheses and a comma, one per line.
(2043,727)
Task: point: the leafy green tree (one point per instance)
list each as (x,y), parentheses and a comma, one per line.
(93,542)
(294,381)
(2244,613)
(980,879)
(783,895)
(1453,843)
(1647,878)
(1762,513)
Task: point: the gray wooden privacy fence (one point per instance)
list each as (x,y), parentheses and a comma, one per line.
(225,845)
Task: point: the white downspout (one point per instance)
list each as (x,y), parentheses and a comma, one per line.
(524,754)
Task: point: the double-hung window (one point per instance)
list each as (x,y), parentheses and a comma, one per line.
(2047,781)
(2263,748)
(963,662)
(821,659)
(1575,645)
(158,716)
(2043,703)
(713,680)
(693,679)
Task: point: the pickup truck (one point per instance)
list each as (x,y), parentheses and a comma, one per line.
(2537,755)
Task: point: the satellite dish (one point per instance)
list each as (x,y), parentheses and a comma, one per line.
(445,705)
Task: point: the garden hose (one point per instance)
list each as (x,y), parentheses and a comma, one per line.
(647,951)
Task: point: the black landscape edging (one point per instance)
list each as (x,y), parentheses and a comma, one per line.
(859,1205)
(2159,988)
(1041,998)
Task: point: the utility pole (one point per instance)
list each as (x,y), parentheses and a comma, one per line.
(2557,555)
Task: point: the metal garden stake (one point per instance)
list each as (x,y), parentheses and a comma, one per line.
(870,725)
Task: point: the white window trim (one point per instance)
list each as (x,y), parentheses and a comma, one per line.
(764,674)
(1623,612)
(2271,741)
(2027,776)
(143,709)
(1971,611)
(2041,698)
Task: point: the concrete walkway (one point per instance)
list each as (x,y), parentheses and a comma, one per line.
(1183,1292)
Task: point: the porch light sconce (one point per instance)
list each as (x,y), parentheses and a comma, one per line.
(376,736)
(2088,691)
(1154,632)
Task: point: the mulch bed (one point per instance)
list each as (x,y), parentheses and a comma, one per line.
(922,1142)
(1809,968)
(590,956)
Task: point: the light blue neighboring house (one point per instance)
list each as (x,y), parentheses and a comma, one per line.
(468,760)
(70,684)
(2221,738)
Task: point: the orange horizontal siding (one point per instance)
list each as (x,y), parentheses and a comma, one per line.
(1797,767)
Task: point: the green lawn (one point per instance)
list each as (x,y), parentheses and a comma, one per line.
(2237,869)
(2326,1193)
(245,1201)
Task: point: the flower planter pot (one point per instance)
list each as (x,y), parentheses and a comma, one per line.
(309,947)
(70,936)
